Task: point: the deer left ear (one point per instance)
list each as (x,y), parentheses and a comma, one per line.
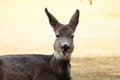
(74,20)
(53,21)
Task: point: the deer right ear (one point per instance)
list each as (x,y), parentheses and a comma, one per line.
(75,19)
(53,21)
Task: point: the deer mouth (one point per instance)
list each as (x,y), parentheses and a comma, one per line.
(65,55)
(65,49)
(64,52)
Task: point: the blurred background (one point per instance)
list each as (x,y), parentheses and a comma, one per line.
(24,27)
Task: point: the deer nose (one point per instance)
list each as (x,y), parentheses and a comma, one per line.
(65,48)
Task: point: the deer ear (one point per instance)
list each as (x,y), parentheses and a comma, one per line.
(75,19)
(53,21)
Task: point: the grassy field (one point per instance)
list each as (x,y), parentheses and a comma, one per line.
(24,29)
(104,68)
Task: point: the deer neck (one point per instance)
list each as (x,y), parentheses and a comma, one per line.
(61,67)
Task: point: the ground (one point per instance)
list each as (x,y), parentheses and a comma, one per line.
(104,68)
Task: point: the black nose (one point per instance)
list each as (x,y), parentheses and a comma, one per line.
(65,48)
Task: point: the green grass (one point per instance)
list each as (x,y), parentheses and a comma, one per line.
(101,68)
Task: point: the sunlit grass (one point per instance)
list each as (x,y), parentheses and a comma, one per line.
(104,68)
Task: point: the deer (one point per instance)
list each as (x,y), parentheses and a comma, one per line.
(44,67)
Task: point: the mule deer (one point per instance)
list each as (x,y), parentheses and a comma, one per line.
(44,67)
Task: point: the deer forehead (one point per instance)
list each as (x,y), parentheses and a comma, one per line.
(64,31)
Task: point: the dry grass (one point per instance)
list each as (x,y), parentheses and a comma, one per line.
(102,68)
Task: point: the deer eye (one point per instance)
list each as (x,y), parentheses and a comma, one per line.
(72,36)
(57,36)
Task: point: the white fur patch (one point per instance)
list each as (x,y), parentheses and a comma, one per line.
(65,43)
(61,56)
